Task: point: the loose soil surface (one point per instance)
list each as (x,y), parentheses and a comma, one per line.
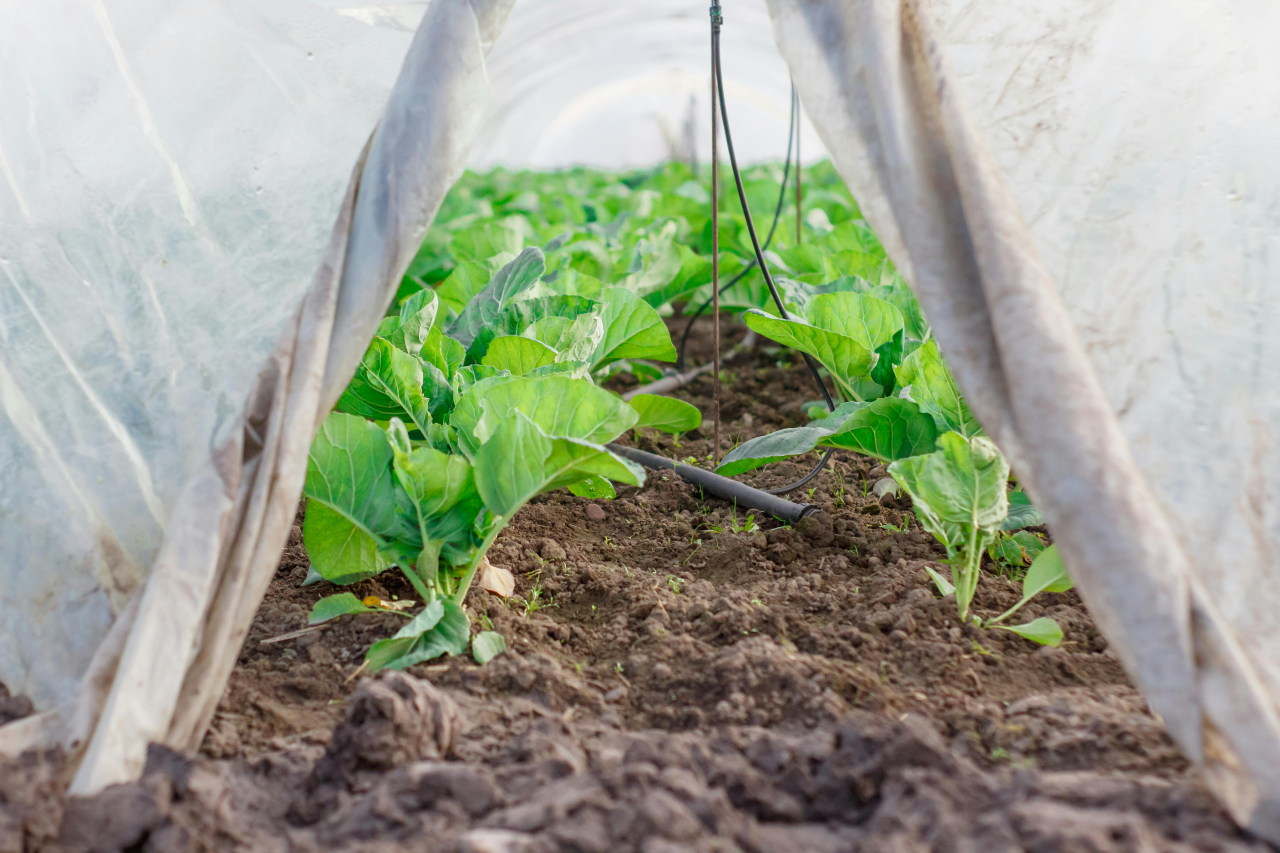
(676,680)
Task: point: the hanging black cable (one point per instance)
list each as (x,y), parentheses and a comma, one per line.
(777,214)
(716,20)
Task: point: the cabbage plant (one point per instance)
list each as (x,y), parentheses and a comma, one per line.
(451,425)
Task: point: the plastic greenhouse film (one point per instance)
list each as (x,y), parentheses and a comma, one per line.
(178,310)
(1092,257)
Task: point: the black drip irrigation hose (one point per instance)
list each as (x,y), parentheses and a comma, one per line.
(777,214)
(716,21)
(740,494)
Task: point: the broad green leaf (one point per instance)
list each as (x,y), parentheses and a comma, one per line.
(507,283)
(1044,631)
(831,420)
(963,482)
(1006,550)
(894,290)
(340,551)
(417,315)
(333,606)
(1021,513)
(573,339)
(570,369)
(441,490)
(510,466)
(438,392)
(568,282)
(441,628)
(888,356)
(888,429)
(524,313)
(593,487)
(1030,544)
(484,241)
(449,637)
(805,258)
(388,383)
(632,329)
(694,272)
(945,587)
(468,376)
(869,321)
(773,447)
(855,235)
(573,460)
(444,353)
(519,461)
(958,491)
(422,622)
(934,390)
(487,645)
(659,260)
(1047,574)
(842,355)
(853,262)
(384,653)
(349,471)
(517,354)
(560,406)
(387,327)
(665,413)
(467,279)
(477,380)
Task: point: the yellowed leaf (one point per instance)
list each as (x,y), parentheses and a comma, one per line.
(383,604)
(496,580)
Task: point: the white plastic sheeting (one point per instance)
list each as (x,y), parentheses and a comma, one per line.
(1082,194)
(620,83)
(1120,348)
(169,176)
(164,361)
(615,84)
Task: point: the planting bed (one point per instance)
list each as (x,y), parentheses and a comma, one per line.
(675,681)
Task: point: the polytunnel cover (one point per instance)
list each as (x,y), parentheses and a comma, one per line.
(1081,194)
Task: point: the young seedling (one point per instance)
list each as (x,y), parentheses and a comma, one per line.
(960,497)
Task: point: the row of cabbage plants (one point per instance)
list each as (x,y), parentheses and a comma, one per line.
(481,388)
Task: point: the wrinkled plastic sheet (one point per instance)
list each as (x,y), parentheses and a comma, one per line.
(1085,198)
(169,176)
(192,270)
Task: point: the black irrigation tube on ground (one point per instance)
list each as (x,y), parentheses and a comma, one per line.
(740,494)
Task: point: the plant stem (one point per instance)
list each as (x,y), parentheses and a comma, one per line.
(461,595)
(1005,615)
(969,575)
(427,595)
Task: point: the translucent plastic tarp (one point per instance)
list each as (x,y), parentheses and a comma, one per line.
(1086,199)
(186,290)
(620,83)
(169,176)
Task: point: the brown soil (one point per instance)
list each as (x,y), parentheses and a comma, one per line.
(676,681)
